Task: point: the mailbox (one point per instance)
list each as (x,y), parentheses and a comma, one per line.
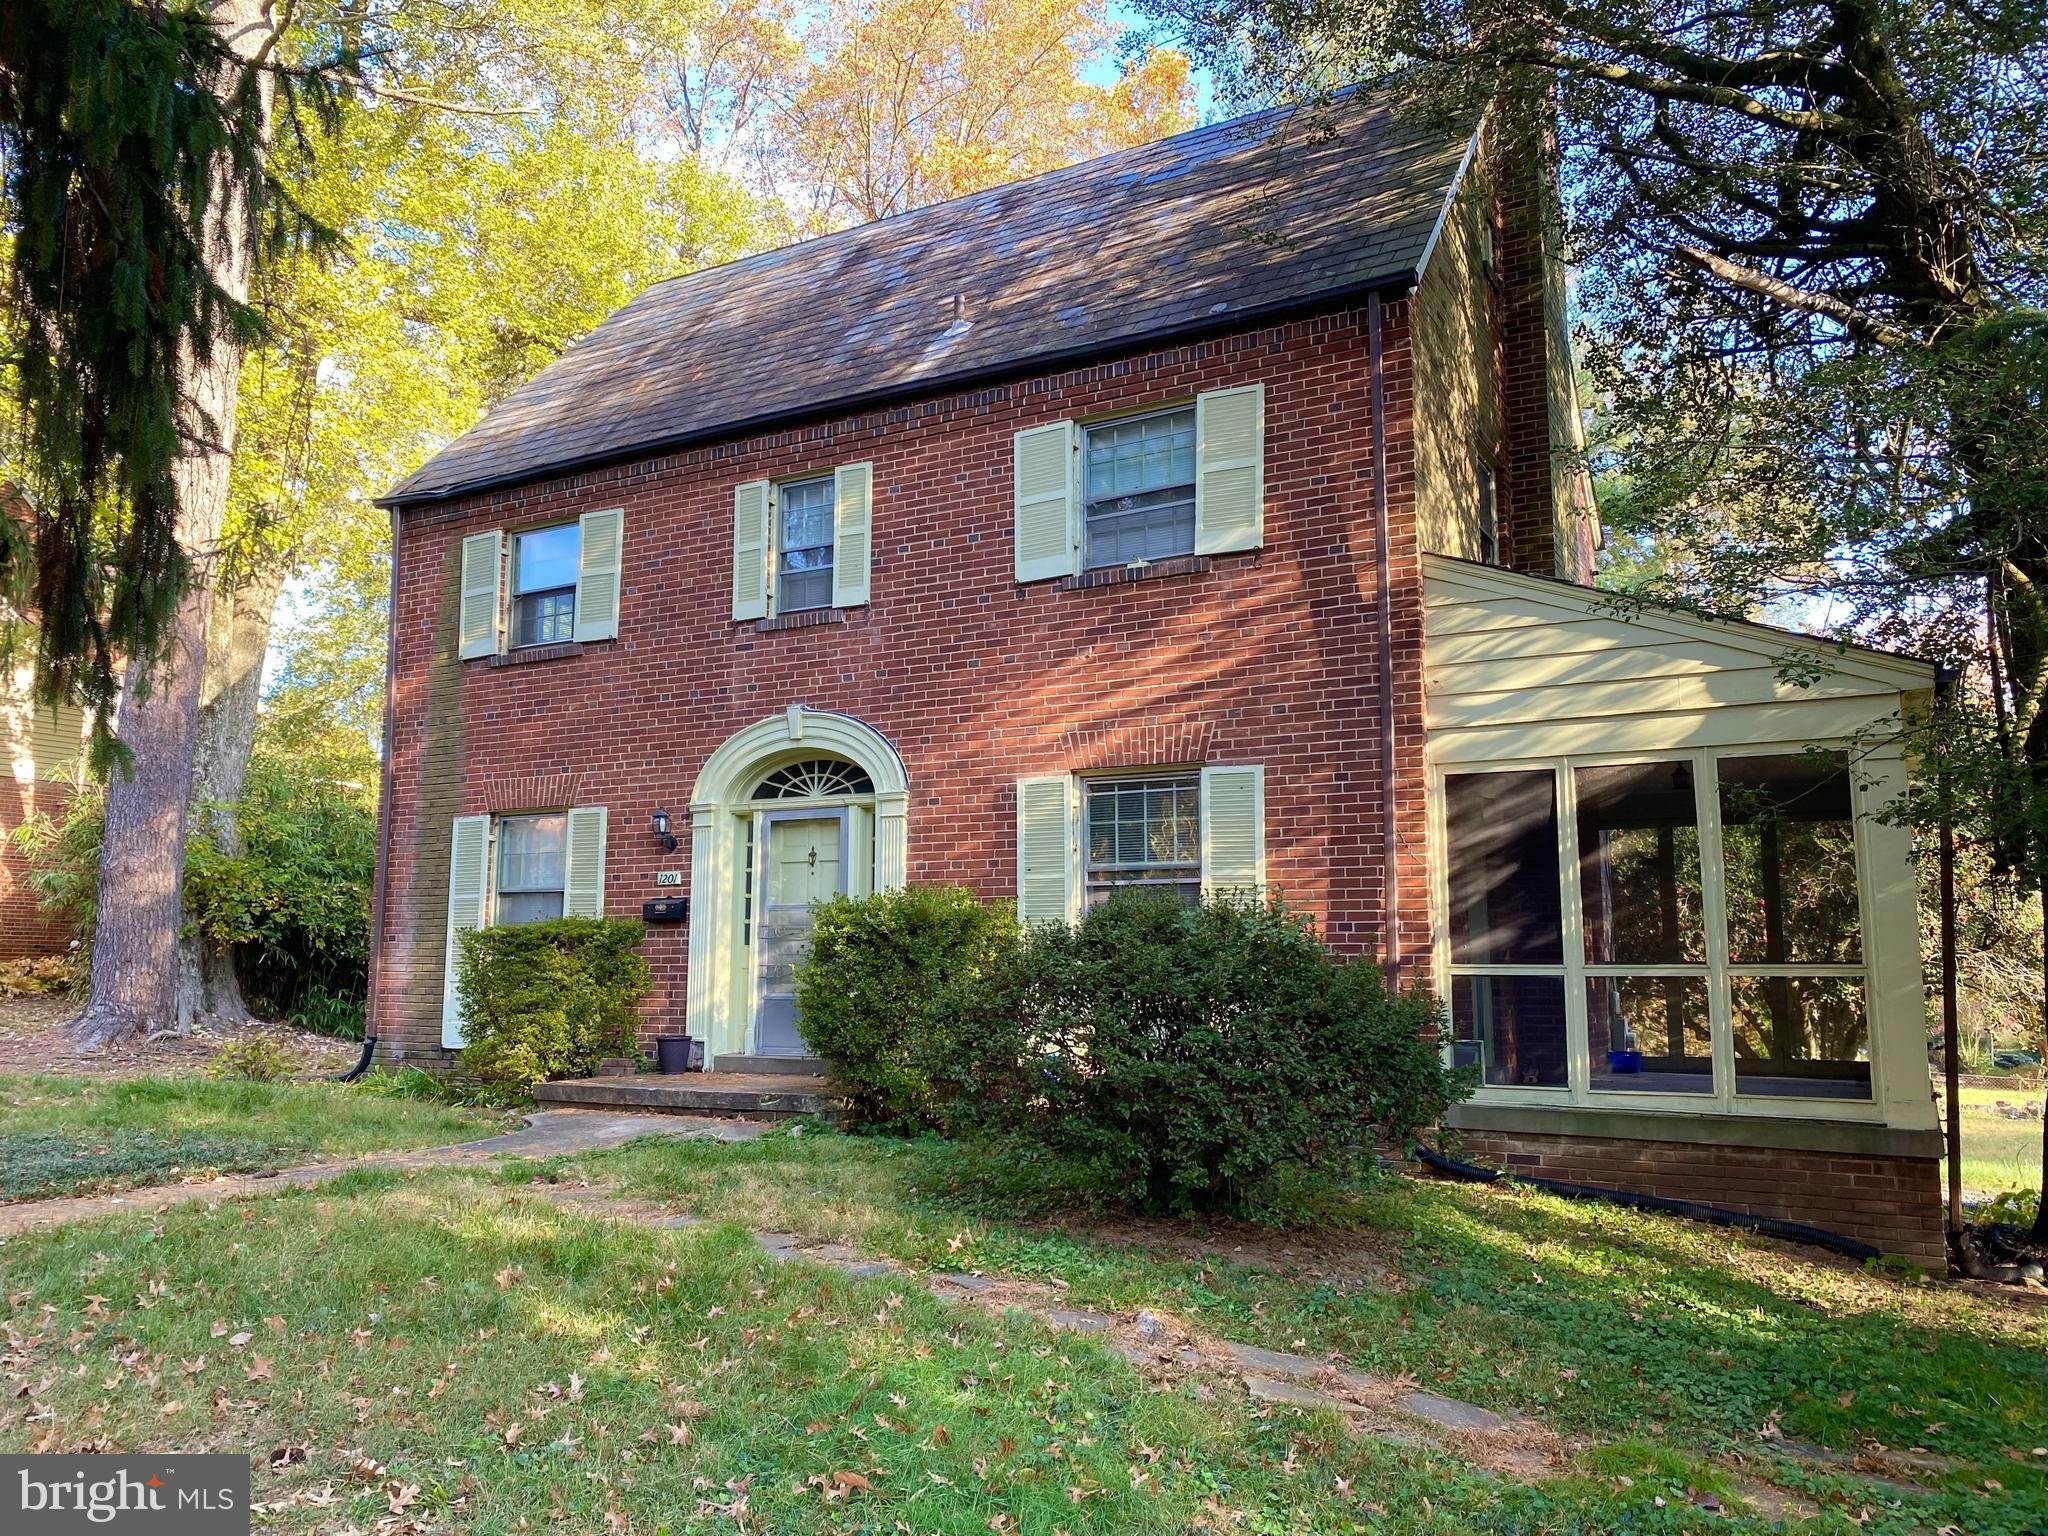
(669,909)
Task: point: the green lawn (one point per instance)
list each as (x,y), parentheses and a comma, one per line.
(465,1352)
(68,1135)
(1999,1153)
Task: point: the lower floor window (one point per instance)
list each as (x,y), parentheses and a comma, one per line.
(1145,833)
(532,868)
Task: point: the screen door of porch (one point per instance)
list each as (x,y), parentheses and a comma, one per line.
(806,863)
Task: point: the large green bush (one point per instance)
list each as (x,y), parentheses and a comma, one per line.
(549,1000)
(1190,1056)
(292,905)
(876,964)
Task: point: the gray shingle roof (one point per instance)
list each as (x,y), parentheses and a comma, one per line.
(1201,231)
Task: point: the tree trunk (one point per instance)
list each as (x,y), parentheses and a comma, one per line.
(142,855)
(209,991)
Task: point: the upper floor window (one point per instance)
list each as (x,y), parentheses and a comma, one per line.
(541,586)
(532,868)
(1139,492)
(1145,832)
(544,567)
(803,544)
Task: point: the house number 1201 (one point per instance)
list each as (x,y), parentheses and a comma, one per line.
(668,877)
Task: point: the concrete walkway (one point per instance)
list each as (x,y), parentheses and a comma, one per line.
(549,1133)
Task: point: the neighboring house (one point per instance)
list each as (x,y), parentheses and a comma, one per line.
(1206,517)
(46,747)
(46,750)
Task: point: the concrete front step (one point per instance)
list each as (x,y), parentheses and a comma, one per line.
(733,1095)
(770,1066)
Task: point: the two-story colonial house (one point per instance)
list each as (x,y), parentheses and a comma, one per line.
(1204,516)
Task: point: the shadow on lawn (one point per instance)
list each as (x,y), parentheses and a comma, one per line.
(1598,1319)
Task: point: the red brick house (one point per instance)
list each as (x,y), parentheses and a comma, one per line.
(1202,516)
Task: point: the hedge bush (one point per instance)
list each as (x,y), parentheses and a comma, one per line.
(865,993)
(1189,1056)
(548,1000)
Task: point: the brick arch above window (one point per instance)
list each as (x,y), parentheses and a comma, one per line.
(530,791)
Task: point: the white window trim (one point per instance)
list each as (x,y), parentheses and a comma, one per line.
(495,843)
(508,620)
(776,487)
(1086,782)
(1725,1099)
(1085,425)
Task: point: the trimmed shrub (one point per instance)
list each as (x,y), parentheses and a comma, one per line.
(548,1000)
(865,992)
(252,1059)
(1190,1056)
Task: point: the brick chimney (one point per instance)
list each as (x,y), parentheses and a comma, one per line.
(1548,523)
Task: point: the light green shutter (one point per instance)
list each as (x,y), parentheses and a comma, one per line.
(601,544)
(1233,829)
(750,550)
(583,864)
(483,603)
(1230,469)
(1045,849)
(853,492)
(469,874)
(1044,474)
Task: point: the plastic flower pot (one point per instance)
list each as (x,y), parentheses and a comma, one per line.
(678,1053)
(1624,1061)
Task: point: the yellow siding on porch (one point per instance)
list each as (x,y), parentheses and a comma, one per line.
(1519,666)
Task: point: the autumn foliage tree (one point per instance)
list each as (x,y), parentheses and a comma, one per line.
(909,102)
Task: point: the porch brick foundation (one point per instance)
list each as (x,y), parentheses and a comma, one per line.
(1891,1202)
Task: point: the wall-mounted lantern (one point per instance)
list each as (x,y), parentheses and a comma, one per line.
(662,835)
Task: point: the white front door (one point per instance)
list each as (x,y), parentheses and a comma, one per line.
(803,861)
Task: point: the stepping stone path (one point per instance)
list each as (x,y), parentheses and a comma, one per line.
(1158,1343)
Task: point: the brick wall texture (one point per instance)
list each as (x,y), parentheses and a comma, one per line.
(24,928)
(1891,1202)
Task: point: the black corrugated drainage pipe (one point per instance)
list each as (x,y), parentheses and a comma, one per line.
(1769,1226)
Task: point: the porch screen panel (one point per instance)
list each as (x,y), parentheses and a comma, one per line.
(1501,836)
(1506,927)
(1796,994)
(1643,910)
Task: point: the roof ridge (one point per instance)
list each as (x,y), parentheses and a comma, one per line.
(895,221)
(1120,249)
